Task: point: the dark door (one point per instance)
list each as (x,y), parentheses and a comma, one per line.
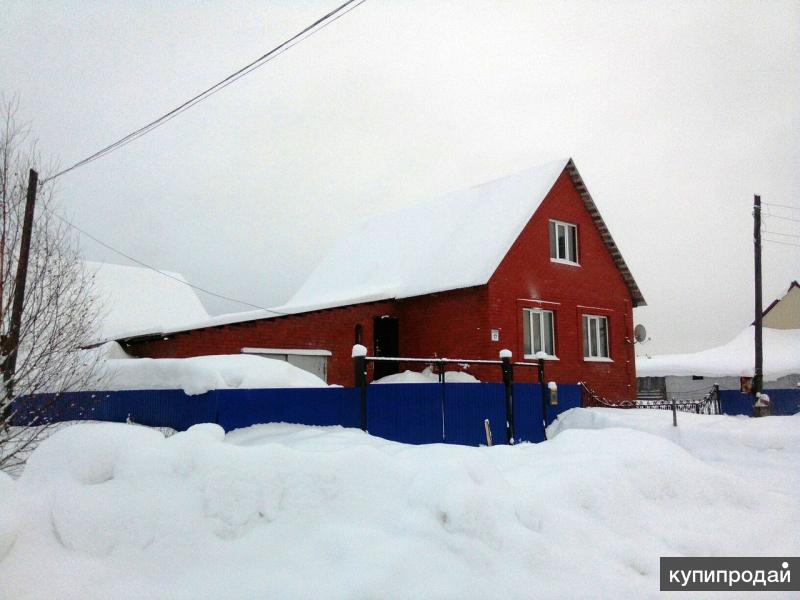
(386,344)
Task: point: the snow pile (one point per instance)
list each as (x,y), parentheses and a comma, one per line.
(197,375)
(428,376)
(734,359)
(756,448)
(134,299)
(281,511)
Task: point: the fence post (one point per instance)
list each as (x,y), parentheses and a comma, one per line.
(443,397)
(544,397)
(508,384)
(488,429)
(674,413)
(360,367)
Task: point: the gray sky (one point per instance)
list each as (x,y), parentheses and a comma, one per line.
(676,113)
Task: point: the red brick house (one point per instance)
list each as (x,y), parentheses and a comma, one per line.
(524,262)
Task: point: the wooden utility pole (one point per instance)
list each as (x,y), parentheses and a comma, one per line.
(11,341)
(758,371)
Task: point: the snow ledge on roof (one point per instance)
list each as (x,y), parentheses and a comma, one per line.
(734,359)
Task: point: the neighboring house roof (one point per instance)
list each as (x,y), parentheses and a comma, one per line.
(784,312)
(134,299)
(455,241)
(734,359)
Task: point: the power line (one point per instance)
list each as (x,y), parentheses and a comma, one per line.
(783,243)
(794,235)
(782,205)
(159,271)
(307,32)
(315,27)
(771,216)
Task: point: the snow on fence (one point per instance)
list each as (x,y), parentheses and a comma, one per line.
(415,414)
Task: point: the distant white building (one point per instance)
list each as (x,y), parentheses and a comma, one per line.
(136,299)
(726,365)
(784,313)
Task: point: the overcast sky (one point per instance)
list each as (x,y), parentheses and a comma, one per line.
(675,113)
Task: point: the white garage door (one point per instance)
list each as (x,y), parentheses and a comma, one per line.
(311,360)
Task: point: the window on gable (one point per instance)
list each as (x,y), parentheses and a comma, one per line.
(595,337)
(563,242)
(537,332)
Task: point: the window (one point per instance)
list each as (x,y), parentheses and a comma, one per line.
(563,242)
(595,337)
(538,335)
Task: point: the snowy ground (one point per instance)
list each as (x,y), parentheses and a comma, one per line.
(283,511)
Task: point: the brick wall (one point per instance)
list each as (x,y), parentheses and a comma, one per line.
(332,329)
(595,287)
(450,324)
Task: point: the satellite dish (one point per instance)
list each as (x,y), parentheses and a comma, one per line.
(640,333)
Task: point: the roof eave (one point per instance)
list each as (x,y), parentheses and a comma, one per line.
(637,298)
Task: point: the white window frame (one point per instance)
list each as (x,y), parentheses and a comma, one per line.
(528,321)
(593,350)
(570,235)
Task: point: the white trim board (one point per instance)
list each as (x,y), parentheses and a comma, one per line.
(287,351)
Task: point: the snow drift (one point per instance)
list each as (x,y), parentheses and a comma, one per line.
(197,375)
(282,511)
(428,376)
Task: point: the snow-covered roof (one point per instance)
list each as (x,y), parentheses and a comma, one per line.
(455,241)
(781,349)
(135,299)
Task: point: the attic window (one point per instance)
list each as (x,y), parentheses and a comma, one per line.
(563,242)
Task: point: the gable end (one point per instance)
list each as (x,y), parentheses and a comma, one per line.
(613,250)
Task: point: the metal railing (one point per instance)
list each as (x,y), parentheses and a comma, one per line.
(709,404)
(590,398)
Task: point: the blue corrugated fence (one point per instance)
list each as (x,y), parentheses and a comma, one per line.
(467,405)
(409,413)
(783,402)
(155,408)
(308,406)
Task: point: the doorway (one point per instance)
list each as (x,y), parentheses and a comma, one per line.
(387,343)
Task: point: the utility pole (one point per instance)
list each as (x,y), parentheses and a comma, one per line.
(11,341)
(758,372)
